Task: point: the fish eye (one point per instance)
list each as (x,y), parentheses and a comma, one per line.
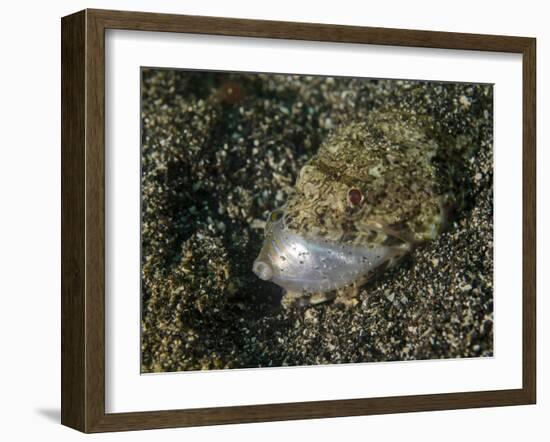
(276,215)
(355,197)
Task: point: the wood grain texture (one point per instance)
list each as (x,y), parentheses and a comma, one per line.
(95,222)
(83,220)
(529,221)
(143,21)
(73,256)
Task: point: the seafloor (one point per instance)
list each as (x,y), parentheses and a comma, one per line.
(220,151)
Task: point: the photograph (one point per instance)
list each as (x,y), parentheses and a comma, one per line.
(303,220)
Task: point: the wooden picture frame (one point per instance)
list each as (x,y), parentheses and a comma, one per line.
(83,218)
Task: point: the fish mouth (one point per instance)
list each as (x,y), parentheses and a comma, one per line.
(262,270)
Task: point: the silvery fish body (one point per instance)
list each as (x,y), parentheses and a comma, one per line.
(313,265)
(373,191)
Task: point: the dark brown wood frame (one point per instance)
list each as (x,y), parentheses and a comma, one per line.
(83,216)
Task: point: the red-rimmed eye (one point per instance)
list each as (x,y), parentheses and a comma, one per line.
(355,197)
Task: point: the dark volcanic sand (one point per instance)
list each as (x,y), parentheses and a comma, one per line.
(220,151)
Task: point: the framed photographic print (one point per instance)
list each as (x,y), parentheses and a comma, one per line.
(267,221)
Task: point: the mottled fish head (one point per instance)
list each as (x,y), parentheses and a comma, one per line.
(371,184)
(371,192)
